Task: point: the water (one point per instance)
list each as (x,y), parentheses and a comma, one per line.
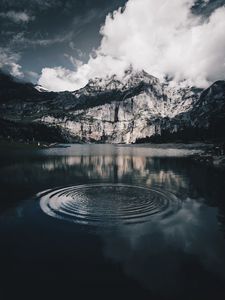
(107,205)
(104,221)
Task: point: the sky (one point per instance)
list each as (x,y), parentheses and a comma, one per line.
(61,44)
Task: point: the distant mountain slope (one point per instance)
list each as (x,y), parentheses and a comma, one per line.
(206,120)
(134,108)
(12,90)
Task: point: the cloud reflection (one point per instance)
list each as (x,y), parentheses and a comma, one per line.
(160,254)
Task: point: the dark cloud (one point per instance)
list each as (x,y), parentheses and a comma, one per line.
(29,4)
(206,7)
(9,62)
(17,17)
(51,33)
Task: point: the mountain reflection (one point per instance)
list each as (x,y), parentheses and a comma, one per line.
(69,170)
(174,253)
(78,165)
(34,173)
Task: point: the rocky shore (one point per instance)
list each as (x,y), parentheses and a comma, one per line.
(213,156)
(21,144)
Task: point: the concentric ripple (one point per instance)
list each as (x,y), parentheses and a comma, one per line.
(107,204)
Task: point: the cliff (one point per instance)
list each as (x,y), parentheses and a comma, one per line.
(134,108)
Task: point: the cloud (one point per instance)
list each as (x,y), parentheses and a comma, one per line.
(31,4)
(9,62)
(61,79)
(32,76)
(17,17)
(162,37)
(22,41)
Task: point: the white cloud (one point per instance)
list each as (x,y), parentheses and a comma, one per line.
(60,79)
(162,37)
(17,16)
(9,62)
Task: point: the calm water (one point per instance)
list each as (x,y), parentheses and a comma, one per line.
(110,221)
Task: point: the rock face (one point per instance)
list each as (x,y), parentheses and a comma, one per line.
(134,108)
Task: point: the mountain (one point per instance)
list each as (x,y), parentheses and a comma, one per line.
(134,108)
(14,90)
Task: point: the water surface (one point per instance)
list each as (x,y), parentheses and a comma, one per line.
(107,221)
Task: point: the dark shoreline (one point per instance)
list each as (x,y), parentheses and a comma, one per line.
(211,159)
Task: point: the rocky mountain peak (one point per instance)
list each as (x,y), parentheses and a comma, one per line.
(115,109)
(159,97)
(130,79)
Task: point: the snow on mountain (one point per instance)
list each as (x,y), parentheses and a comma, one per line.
(120,110)
(41,89)
(162,99)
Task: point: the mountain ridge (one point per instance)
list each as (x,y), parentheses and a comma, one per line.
(115,110)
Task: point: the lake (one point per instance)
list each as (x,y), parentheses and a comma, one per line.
(86,221)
